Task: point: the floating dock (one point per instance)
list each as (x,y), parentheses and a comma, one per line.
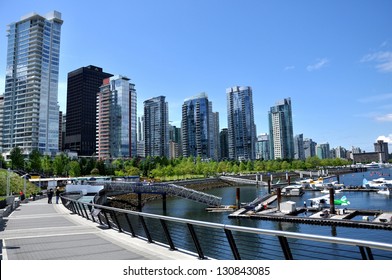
(373,219)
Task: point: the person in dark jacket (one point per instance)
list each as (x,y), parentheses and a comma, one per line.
(50,196)
(57,195)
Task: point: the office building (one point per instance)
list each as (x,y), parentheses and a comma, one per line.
(198,128)
(1,122)
(381,147)
(31,111)
(309,148)
(240,120)
(299,152)
(156,127)
(224,144)
(82,87)
(262,147)
(140,137)
(323,151)
(281,130)
(175,141)
(116,119)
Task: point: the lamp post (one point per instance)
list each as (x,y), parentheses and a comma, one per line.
(24,177)
(8,182)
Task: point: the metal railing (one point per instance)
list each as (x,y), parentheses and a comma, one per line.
(160,188)
(225,242)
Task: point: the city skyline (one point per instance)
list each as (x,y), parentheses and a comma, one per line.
(333,59)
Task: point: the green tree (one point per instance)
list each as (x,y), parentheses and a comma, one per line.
(60,165)
(35,161)
(132,171)
(74,169)
(94,171)
(3,163)
(17,160)
(46,164)
(100,165)
(312,162)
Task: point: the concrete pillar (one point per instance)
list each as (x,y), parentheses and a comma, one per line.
(279,193)
(269,186)
(331,201)
(237,198)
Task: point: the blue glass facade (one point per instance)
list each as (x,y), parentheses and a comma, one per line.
(281,130)
(196,127)
(116,119)
(31,111)
(156,127)
(241,128)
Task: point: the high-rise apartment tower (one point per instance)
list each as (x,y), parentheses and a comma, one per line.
(240,120)
(281,130)
(116,119)
(31,111)
(156,127)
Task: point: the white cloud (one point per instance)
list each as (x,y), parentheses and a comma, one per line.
(288,68)
(320,63)
(376,98)
(384,118)
(382,60)
(387,139)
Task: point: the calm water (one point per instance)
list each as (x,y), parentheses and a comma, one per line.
(359,200)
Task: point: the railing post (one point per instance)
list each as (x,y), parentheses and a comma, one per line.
(80,209)
(167,234)
(106,217)
(148,235)
(130,226)
(116,220)
(285,248)
(99,218)
(232,244)
(366,255)
(85,211)
(196,241)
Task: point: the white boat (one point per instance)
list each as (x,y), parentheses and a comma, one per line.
(372,165)
(323,201)
(292,190)
(326,190)
(385,191)
(379,183)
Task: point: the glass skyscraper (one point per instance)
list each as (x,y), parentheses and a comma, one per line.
(31,111)
(156,127)
(281,130)
(198,127)
(241,127)
(116,119)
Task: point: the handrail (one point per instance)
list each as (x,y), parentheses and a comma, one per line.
(159,188)
(229,237)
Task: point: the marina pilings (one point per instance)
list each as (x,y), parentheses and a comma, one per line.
(332,200)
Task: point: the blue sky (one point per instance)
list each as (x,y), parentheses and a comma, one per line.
(332,58)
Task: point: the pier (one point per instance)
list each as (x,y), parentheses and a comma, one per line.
(382,220)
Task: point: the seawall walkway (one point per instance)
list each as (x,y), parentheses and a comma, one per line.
(41,231)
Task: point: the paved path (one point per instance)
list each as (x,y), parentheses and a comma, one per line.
(41,231)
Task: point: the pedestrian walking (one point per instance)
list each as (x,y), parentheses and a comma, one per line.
(50,196)
(57,195)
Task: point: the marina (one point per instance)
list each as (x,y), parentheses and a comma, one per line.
(360,220)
